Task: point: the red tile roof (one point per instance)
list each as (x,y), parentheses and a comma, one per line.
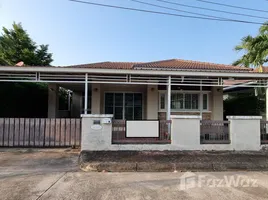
(173,64)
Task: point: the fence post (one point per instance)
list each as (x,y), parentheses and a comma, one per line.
(185,132)
(245,133)
(96,132)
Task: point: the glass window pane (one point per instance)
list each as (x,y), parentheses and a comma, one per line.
(195,101)
(176,101)
(188,101)
(129,100)
(118,113)
(205,101)
(138,113)
(118,99)
(137,99)
(109,99)
(162,101)
(109,110)
(129,113)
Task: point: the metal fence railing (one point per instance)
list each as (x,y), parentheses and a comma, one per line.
(40,132)
(264,132)
(119,134)
(214,132)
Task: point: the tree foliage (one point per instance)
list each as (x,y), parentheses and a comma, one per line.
(22,99)
(16,45)
(255,49)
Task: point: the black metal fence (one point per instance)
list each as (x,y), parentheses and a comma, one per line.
(119,134)
(40,132)
(214,132)
(264,132)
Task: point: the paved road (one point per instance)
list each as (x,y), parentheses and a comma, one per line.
(55,175)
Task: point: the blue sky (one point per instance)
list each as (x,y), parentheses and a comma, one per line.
(79,33)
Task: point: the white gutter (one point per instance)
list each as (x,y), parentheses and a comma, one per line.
(134,71)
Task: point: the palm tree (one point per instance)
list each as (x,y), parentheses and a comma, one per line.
(255,48)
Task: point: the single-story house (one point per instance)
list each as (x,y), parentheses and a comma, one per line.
(148,98)
(137,90)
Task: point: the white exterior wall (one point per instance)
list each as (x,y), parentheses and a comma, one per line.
(185,135)
(96,98)
(152,102)
(53,100)
(217,103)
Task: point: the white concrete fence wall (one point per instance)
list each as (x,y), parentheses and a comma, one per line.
(185,135)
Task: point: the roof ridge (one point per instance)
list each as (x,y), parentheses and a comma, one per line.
(209,63)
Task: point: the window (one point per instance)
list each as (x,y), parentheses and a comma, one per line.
(183,101)
(124,105)
(205,101)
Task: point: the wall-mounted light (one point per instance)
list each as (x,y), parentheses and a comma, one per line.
(152,89)
(96,89)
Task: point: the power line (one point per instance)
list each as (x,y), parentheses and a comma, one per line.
(150,4)
(164,13)
(210,9)
(232,6)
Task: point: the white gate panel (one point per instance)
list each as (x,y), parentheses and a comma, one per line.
(142,129)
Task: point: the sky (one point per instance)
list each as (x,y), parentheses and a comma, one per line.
(81,33)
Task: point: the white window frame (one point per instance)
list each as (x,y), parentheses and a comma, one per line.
(184,92)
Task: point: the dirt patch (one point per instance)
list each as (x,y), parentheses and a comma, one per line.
(172,160)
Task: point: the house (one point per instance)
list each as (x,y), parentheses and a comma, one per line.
(142,96)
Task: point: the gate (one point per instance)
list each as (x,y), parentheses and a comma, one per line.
(40,132)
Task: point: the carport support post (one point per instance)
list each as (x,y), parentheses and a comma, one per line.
(169,103)
(168,98)
(201,100)
(86,94)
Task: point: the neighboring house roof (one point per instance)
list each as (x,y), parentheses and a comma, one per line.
(261,69)
(173,64)
(235,82)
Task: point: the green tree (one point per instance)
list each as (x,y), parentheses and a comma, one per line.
(16,45)
(255,49)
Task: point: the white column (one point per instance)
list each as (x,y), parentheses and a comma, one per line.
(201,100)
(168,98)
(245,133)
(86,94)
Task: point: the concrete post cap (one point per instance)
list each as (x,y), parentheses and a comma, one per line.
(186,117)
(244,117)
(97,116)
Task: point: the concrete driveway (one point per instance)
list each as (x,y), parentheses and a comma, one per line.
(55,175)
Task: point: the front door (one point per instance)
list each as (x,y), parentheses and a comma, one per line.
(127,106)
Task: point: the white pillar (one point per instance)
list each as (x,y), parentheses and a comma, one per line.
(201,100)
(168,98)
(245,133)
(185,132)
(86,94)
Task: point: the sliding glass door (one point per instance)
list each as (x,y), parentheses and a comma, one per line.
(126,106)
